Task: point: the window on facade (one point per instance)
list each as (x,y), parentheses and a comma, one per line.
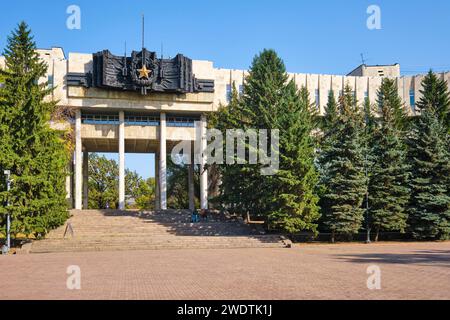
(50,81)
(366,94)
(181,121)
(142,120)
(412,99)
(317,94)
(241,90)
(99,119)
(229,93)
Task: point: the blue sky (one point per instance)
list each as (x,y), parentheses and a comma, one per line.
(321,36)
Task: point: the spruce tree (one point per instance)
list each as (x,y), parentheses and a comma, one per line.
(388,190)
(435,96)
(36,155)
(287,199)
(341,162)
(429,159)
(236,180)
(331,112)
(295,200)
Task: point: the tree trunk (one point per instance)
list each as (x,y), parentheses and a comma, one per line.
(377,235)
(332,237)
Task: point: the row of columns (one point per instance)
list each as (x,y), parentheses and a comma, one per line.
(82,167)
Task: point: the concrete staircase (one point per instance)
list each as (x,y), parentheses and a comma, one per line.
(111,230)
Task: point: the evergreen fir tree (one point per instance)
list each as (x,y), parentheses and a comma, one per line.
(428,156)
(388,191)
(389,100)
(286,200)
(295,200)
(331,112)
(341,163)
(235,180)
(435,96)
(35,154)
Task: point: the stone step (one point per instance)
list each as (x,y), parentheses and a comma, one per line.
(132,243)
(151,247)
(96,230)
(155,239)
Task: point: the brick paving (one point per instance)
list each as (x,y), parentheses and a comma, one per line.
(409,271)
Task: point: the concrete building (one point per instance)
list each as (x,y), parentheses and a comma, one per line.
(376,71)
(123,121)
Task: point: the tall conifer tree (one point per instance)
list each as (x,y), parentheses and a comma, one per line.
(295,201)
(388,183)
(35,154)
(341,161)
(286,199)
(435,96)
(428,156)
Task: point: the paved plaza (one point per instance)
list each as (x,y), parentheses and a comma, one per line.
(408,271)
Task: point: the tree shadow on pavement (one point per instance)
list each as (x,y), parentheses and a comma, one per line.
(439,258)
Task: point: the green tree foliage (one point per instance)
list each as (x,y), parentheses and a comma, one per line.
(428,156)
(295,206)
(331,113)
(388,183)
(341,162)
(36,154)
(177,185)
(435,97)
(286,200)
(145,194)
(103,182)
(104,186)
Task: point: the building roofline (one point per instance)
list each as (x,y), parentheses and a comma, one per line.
(373,66)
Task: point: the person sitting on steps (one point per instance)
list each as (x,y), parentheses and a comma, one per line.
(204,215)
(195,217)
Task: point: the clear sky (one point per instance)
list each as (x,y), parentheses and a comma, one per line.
(321,36)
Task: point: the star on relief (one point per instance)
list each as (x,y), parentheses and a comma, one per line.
(144,72)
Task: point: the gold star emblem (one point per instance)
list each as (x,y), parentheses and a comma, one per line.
(144,72)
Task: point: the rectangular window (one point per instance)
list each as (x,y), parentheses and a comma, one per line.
(50,81)
(241,90)
(366,94)
(412,99)
(317,94)
(229,93)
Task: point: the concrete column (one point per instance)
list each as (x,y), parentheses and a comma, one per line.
(203,162)
(191,181)
(121,160)
(85,180)
(78,161)
(157,193)
(162,163)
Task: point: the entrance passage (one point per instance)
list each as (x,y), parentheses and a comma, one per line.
(146,133)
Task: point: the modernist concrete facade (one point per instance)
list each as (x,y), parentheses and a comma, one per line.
(115,121)
(376,71)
